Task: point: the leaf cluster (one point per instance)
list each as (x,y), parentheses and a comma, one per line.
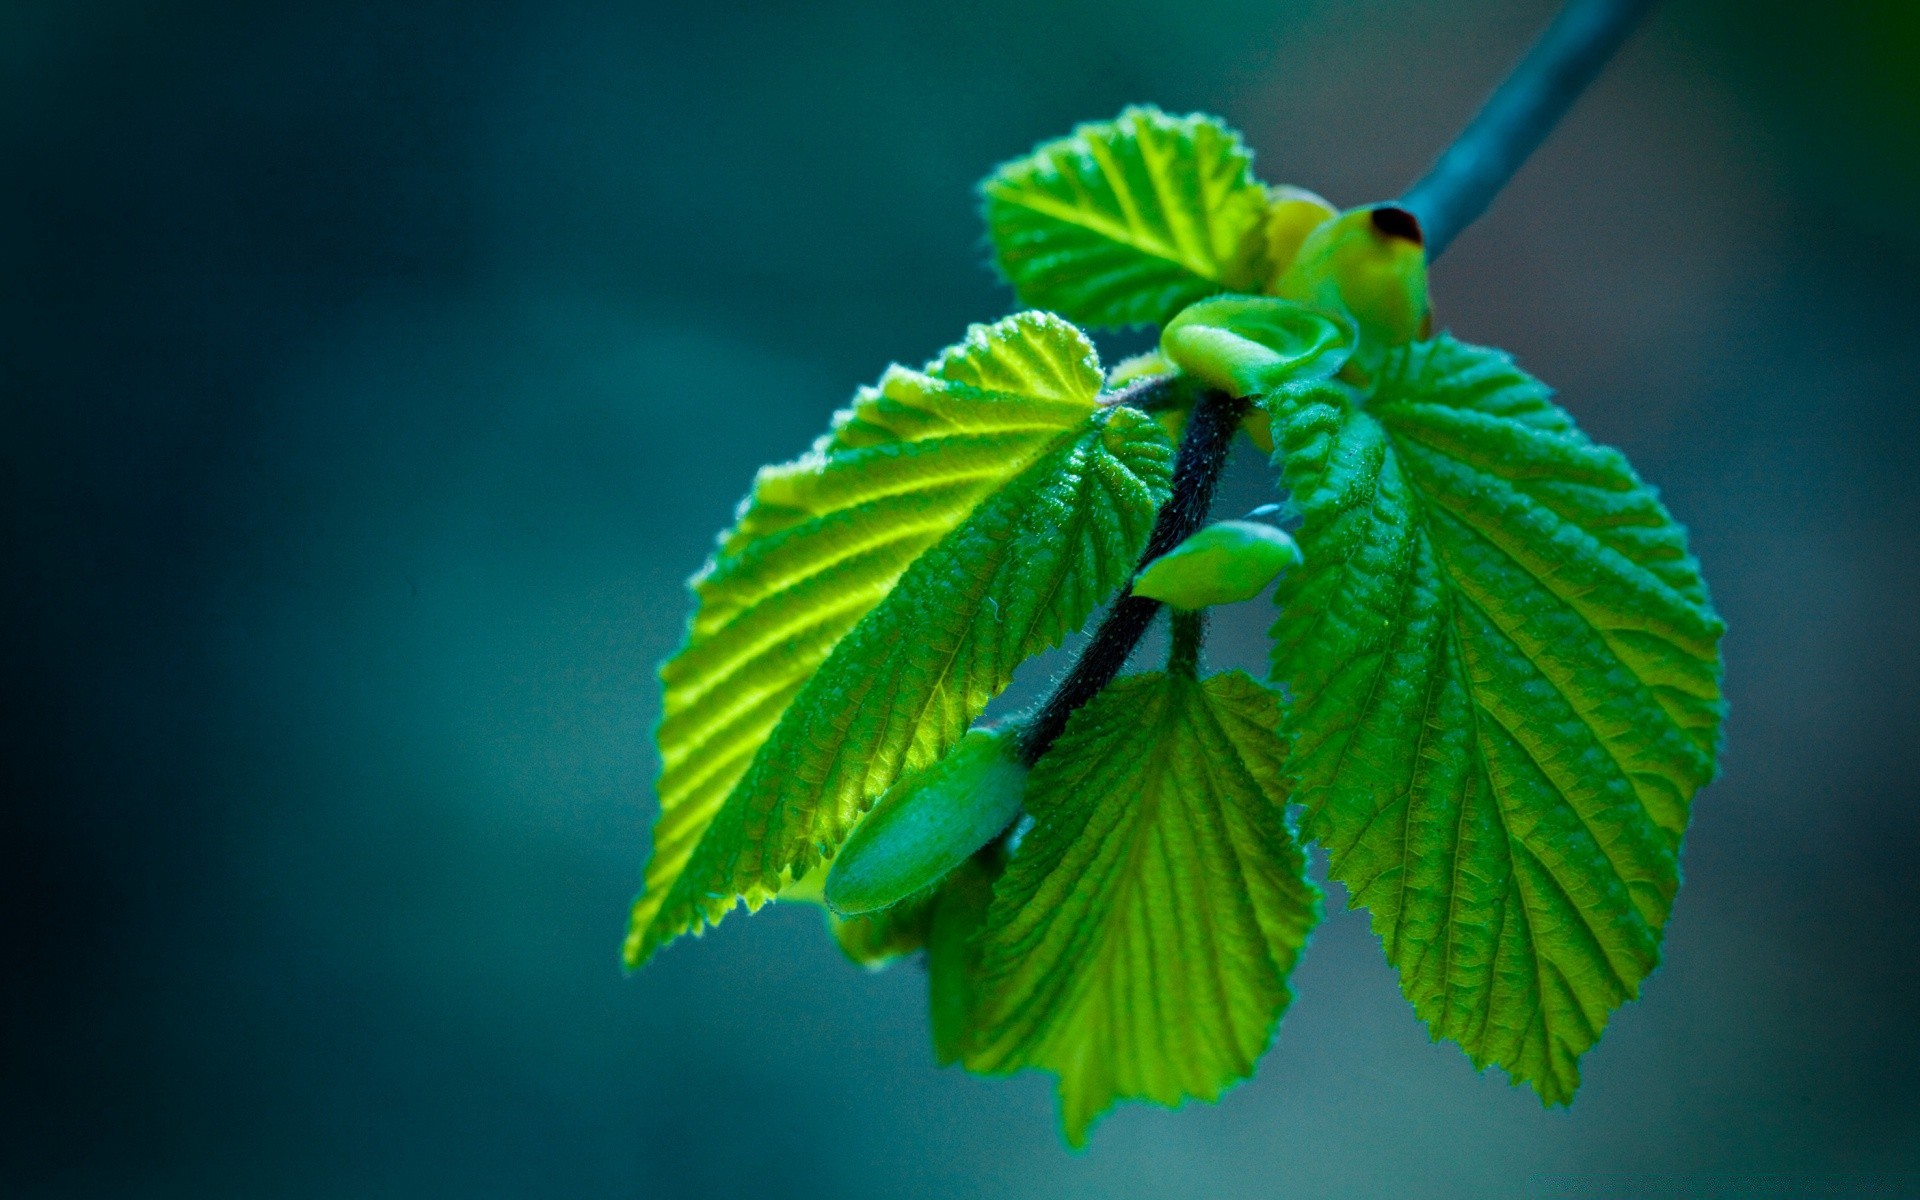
(1492,696)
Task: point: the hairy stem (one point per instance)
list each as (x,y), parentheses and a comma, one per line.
(1189,633)
(1518,116)
(1196,471)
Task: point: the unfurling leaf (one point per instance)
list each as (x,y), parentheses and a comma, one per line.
(928,823)
(1256,345)
(1126,222)
(1032,515)
(1225,563)
(1138,945)
(1506,685)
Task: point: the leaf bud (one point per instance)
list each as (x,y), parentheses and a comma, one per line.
(928,823)
(1370,263)
(1224,563)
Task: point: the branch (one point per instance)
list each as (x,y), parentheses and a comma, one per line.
(1196,471)
(1519,116)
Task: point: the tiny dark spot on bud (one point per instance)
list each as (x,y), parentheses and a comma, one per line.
(1398,222)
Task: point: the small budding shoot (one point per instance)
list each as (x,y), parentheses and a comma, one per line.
(1225,563)
(928,823)
(1370,262)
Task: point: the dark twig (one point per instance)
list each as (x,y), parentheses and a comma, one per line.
(1518,116)
(1196,471)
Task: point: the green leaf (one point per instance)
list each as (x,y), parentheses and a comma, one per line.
(823,539)
(1506,692)
(1139,943)
(953,950)
(1019,571)
(876,939)
(1126,222)
(1255,345)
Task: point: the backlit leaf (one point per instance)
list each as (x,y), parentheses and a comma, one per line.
(822,540)
(1023,568)
(1139,944)
(1125,222)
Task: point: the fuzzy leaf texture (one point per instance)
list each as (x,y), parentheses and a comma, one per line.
(990,550)
(1506,684)
(1139,944)
(823,539)
(1127,222)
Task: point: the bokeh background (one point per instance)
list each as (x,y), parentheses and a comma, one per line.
(374,374)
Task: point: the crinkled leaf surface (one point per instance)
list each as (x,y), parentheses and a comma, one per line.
(1139,944)
(1126,222)
(823,539)
(1505,677)
(1026,563)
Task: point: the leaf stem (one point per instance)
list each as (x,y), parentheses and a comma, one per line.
(1519,116)
(1189,633)
(1155,393)
(1196,472)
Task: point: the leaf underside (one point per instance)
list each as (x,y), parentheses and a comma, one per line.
(875,939)
(953,951)
(984,508)
(1139,943)
(1505,677)
(1126,222)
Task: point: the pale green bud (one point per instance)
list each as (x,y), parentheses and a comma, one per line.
(1224,563)
(929,823)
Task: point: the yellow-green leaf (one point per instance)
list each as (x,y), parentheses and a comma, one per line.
(823,539)
(1023,568)
(1139,944)
(1127,221)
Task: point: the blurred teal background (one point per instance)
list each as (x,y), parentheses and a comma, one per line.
(375,374)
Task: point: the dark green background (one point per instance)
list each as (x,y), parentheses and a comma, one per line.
(374,375)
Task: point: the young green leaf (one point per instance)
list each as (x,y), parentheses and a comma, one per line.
(1126,222)
(1505,673)
(1139,943)
(953,950)
(1225,563)
(1255,345)
(1024,568)
(1293,214)
(928,823)
(877,938)
(823,539)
